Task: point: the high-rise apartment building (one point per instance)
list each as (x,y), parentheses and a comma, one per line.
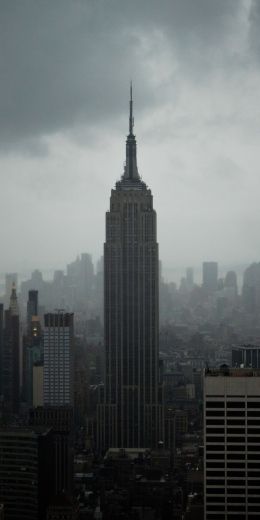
(210,276)
(53,405)
(58,359)
(232,444)
(131,414)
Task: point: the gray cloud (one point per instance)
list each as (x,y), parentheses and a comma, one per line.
(65,67)
(66,63)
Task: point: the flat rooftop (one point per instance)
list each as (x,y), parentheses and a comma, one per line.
(232,372)
(248,346)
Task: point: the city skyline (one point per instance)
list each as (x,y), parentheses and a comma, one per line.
(195,68)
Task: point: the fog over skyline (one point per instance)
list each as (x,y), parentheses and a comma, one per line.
(64,90)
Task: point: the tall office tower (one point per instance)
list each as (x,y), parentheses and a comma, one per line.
(58,359)
(132,413)
(11,356)
(26,476)
(80,279)
(57,397)
(32,346)
(189,278)
(32,306)
(210,276)
(32,354)
(251,288)
(232,444)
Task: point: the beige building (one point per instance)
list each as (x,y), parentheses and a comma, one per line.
(232,444)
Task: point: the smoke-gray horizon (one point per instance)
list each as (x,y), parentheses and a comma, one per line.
(64,90)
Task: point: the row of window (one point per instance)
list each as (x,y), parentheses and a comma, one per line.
(238,465)
(234,490)
(240,431)
(235,499)
(233,456)
(235,422)
(232,413)
(238,473)
(232,404)
(230,516)
(220,438)
(238,508)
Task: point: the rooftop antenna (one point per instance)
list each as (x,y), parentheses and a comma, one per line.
(131,119)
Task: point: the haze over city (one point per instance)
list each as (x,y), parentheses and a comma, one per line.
(66,68)
(130,260)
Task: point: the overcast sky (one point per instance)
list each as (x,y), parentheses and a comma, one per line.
(65,67)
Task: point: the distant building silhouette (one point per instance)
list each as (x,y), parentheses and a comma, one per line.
(189,278)
(251,288)
(10,280)
(210,276)
(131,414)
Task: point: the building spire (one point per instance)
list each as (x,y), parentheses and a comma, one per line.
(131,171)
(131,119)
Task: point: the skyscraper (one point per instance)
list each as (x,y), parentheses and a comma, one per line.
(32,306)
(251,288)
(210,276)
(58,395)
(32,346)
(58,359)
(131,414)
(11,356)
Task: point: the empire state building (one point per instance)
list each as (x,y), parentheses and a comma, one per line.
(130,413)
